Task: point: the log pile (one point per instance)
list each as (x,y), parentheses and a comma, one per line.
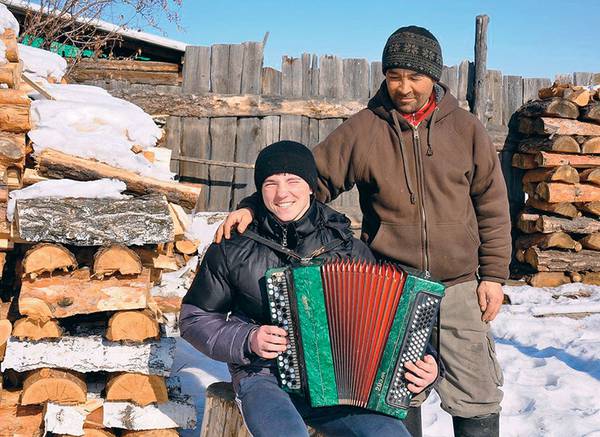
(560,154)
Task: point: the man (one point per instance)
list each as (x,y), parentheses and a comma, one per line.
(433,197)
(225,313)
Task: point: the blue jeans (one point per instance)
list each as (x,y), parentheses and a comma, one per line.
(271,412)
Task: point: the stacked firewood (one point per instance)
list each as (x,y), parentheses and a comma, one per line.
(88,352)
(560,153)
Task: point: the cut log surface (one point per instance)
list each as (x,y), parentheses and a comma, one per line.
(563,173)
(591,241)
(555,107)
(578,95)
(19,420)
(558,126)
(187,247)
(34,329)
(47,257)
(548,279)
(524,161)
(59,165)
(547,159)
(559,240)
(555,192)
(592,208)
(91,354)
(559,261)
(95,222)
(564,209)
(140,389)
(591,146)
(591,112)
(59,386)
(591,175)
(77,293)
(557,143)
(132,326)
(116,258)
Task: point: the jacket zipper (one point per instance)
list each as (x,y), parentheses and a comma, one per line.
(419,165)
(284,241)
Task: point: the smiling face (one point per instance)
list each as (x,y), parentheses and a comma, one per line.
(408,89)
(286,195)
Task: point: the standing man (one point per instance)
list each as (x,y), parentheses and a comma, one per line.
(432,197)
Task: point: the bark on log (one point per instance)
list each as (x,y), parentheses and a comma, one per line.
(558,143)
(591,175)
(591,241)
(564,209)
(547,159)
(77,293)
(563,173)
(132,326)
(59,386)
(116,258)
(19,420)
(559,261)
(555,192)
(556,90)
(591,112)
(126,65)
(95,222)
(548,279)
(10,74)
(12,150)
(78,420)
(559,240)
(139,389)
(14,118)
(556,107)
(47,257)
(220,105)
(34,329)
(589,207)
(9,38)
(131,76)
(91,354)
(14,97)
(591,146)
(59,165)
(532,222)
(557,126)
(524,161)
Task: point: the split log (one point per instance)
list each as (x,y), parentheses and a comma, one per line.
(591,112)
(59,165)
(548,279)
(592,278)
(591,175)
(34,329)
(14,97)
(14,118)
(31,176)
(10,74)
(47,257)
(116,258)
(578,95)
(59,386)
(77,420)
(556,90)
(547,159)
(558,143)
(575,276)
(187,247)
(19,420)
(559,261)
(559,240)
(565,209)
(9,38)
(5,330)
(563,173)
(531,222)
(77,293)
(591,241)
(589,207)
(140,389)
(152,433)
(591,146)
(557,126)
(91,354)
(526,222)
(12,150)
(555,192)
(555,107)
(132,326)
(524,161)
(95,222)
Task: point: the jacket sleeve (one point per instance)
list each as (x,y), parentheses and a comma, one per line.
(203,317)
(361,251)
(490,200)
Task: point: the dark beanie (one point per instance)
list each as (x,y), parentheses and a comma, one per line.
(413,48)
(285,157)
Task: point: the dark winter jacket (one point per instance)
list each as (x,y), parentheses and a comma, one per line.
(227,299)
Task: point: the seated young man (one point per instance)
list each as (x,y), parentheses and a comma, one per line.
(226,316)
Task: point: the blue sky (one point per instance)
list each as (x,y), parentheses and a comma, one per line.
(527,38)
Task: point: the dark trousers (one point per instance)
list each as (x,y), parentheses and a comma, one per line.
(269,411)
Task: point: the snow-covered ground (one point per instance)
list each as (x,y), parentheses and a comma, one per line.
(551,366)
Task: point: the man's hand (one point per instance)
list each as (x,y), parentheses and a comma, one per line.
(490,297)
(421,373)
(268,341)
(239,219)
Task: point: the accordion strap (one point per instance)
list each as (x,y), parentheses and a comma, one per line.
(289,252)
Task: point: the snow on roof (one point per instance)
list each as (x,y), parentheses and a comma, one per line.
(25,5)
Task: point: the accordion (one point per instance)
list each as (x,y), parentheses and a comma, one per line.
(351,326)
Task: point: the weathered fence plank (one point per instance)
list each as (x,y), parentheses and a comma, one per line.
(196,70)
(219,68)
(271,81)
(376,78)
(465,84)
(173,141)
(331,71)
(222,136)
(581,78)
(512,96)
(531,86)
(248,143)
(495,99)
(252,68)
(356,79)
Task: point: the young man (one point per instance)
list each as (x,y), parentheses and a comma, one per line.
(225,312)
(433,197)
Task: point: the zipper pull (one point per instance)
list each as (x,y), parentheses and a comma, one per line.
(284,241)
(413,198)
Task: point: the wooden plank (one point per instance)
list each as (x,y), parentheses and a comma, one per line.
(313,132)
(307,76)
(465,85)
(173,141)
(222,138)
(131,76)
(235,67)
(219,68)
(582,78)
(376,78)
(531,86)
(248,144)
(291,128)
(252,67)
(450,78)
(331,72)
(271,81)
(564,78)
(479,89)
(356,79)
(196,70)
(512,96)
(291,77)
(494,97)
(269,127)
(127,64)
(195,142)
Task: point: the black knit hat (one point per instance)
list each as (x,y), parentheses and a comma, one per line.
(413,48)
(285,157)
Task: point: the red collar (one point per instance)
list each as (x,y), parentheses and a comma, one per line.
(417,117)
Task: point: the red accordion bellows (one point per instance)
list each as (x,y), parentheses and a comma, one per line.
(361,302)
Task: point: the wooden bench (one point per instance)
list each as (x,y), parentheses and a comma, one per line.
(222,418)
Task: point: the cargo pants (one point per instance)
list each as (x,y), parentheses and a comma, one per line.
(472,374)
